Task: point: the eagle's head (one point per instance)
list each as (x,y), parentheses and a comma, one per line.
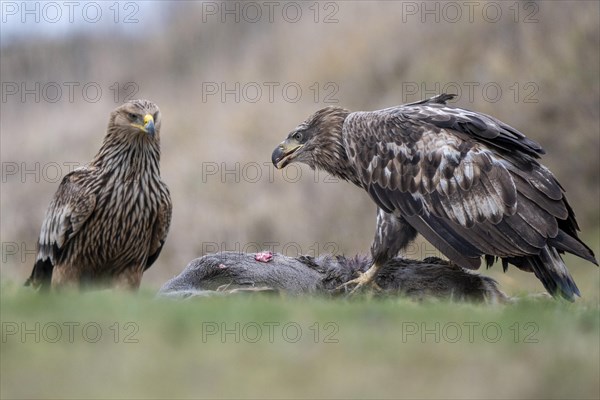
(316,142)
(133,131)
(134,119)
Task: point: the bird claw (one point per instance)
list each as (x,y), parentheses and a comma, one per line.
(364,282)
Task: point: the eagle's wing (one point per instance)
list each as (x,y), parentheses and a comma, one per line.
(161,225)
(467,182)
(72,205)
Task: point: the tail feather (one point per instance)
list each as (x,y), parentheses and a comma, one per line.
(565,242)
(550,269)
(41,275)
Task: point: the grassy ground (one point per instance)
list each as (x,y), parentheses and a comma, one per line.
(116,345)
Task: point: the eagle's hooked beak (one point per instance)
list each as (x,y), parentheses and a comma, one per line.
(284,153)
(149,124)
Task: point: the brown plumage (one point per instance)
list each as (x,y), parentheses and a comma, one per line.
(108,221)
(470,184)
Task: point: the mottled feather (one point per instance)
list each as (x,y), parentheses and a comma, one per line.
(469,183)
(108,221)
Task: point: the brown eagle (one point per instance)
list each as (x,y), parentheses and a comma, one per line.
(108,221)
(467,182)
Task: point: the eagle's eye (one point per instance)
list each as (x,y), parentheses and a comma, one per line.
(132,116)
(155,117)
(298,136)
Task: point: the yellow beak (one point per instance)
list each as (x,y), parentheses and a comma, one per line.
(149,124)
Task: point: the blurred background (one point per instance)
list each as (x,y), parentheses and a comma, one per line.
(233,78)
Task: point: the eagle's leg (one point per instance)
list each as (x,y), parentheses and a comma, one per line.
(129,279)
(365,280)
(392,235)
(65,276)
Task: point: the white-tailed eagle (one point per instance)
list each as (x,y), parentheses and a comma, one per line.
(467,182)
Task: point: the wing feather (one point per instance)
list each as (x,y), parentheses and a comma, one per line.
(467,182)
(161,225)
(71,207)
(536,191)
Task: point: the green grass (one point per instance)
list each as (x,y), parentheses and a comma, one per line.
(364,348)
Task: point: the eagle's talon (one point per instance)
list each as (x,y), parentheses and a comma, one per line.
(365,280)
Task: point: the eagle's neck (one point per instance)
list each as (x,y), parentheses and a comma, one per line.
(128,156)
(330,154)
